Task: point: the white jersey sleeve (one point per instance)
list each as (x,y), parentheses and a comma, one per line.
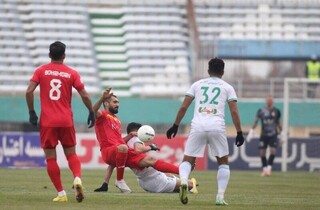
(132,141)
(210,96)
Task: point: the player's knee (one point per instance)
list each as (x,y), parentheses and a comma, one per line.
(223,160)
(122,148)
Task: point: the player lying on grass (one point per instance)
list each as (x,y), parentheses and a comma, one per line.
(150,179)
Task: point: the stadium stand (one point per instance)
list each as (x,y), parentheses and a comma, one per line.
(261,20)
(147,48)
(15,66)
(142,49)
(47,22)
(107,30)
(28,28)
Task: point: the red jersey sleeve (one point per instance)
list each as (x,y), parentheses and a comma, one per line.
(36,76)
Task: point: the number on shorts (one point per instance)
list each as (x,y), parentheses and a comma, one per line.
(55,91)
(215,94)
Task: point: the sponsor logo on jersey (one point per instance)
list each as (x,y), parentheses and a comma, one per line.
(208,111)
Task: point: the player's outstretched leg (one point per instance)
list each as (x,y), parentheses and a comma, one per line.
(77,185)
(183,191)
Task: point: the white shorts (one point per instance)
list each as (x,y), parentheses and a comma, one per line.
(158,183)
(197,141)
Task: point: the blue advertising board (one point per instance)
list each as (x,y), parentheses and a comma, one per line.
(303,155)
(21,150)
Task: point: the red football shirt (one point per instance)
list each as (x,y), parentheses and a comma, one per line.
(108,130)
(56,81)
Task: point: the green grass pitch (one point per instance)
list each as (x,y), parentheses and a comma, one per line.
(31,189)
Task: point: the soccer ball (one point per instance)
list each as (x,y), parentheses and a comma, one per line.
(146,133)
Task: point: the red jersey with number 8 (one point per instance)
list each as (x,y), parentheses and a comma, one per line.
(56,81)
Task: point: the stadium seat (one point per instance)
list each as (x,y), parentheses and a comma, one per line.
(135,41)
(148,38)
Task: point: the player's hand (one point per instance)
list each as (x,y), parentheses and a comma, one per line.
(33,118)
(91,120)
(171,133)
(250,135)
(154,147)
(281,138)
(239,139)
(107,92)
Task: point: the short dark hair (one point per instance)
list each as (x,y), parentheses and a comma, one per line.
(216,66)
(133,126)
(108,99)
(57,50)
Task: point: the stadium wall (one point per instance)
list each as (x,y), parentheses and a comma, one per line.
(162,111)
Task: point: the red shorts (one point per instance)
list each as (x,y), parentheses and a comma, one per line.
(109,156)
(49,137)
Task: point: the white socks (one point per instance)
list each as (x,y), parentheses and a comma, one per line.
(223,176)
(184,171)
(62,193)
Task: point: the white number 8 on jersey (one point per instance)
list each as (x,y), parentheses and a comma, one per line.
(55,92)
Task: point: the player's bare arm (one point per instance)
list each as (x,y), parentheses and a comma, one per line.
(235,115)
(279,126)
(87,102)
(140,148)
(33,118)
(107,92)
(183,109)
(129,136)
(171,133)
(255,122)
(236,121)
(29,95)
(86,99)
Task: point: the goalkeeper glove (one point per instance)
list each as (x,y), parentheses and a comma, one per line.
(171,133)
(250,135)
(281,137)
(33,118)
(154,147)
(91,120)
(239,139)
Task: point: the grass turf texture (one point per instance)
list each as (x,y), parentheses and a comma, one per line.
(31,189)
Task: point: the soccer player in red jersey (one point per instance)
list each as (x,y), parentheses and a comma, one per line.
(56,81)
(114,150)
(113,147)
